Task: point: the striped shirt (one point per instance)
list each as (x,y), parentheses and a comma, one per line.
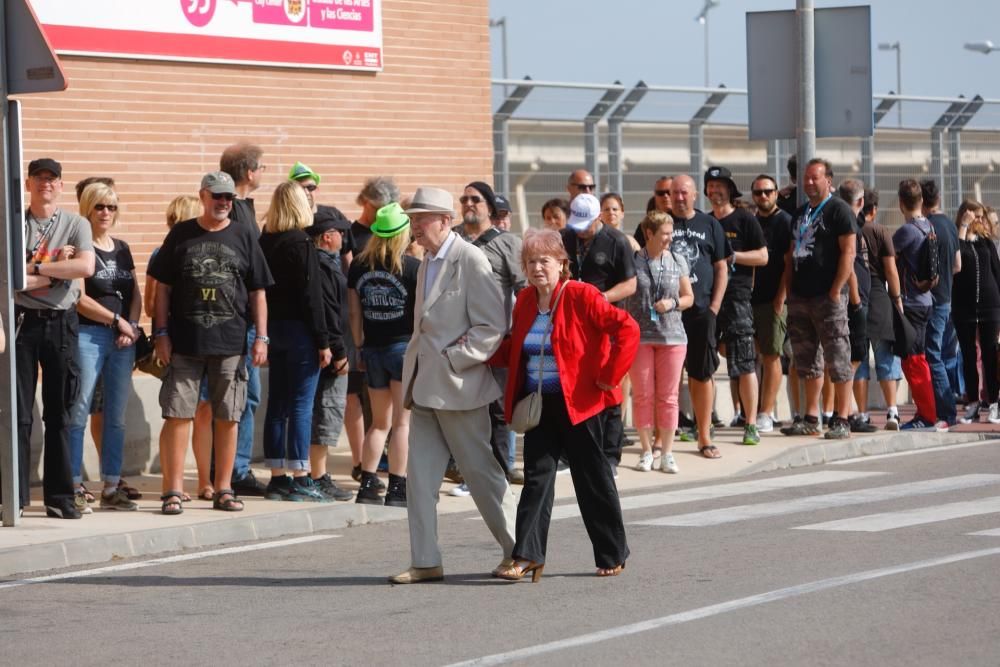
(549,371)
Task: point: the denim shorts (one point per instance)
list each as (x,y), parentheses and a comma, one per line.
(383,364)
(887,365)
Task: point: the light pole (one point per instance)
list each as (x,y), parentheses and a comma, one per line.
(502,24)
(894,46)
(702,18)
(985,47)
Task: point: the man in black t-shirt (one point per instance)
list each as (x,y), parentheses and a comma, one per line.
(735,324)
(700,240)
(768,297)
(211,275)
(818,265)
(661,203)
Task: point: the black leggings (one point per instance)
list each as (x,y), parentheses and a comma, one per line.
(966,332)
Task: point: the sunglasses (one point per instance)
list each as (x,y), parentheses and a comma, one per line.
(228,196)
(762,192)
(471,199)
(106,207)
(310,188)
(661,193)
(584,186)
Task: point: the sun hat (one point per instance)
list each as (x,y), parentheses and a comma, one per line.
(300,171)
(583,210)
(431,200)
(722,174)
(390,220)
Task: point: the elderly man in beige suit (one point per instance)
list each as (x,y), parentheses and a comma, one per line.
(458,324)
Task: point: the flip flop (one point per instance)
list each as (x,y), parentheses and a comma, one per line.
(710,452)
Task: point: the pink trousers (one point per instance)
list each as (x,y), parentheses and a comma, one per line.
(656,377)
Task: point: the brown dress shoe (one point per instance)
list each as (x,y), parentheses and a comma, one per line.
(417,575)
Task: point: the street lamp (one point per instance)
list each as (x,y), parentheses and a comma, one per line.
(502,24)
(984,47)
(894,46)
(702,18)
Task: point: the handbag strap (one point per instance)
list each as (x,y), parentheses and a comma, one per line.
(548,328)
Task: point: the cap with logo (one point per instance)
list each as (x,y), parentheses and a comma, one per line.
(218,182)
(300,171)
(583,210)
(722,174)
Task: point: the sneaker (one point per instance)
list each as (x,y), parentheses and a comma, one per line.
(738,421)
(561,469)
(688,435)
(645,463)
(971,413)
(802,427)
(309,490)
(132,492)
(892,421)
(765,424)
(118,500)
(918,423)
(356,473)
(64,508)
(859,425)
(750,435)
(249,485)
(461,491)
(667,464)
(281,488)
(839,429)
(396,495)
(716,421)
(994,417)
(515,476)
(368,491)
(80,503)
(329,488)
(942,426)
(683,421)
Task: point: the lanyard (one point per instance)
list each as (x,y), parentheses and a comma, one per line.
(808,221)
(659,276)
(42,233)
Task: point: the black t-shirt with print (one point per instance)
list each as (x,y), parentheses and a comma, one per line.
(210,275)
(744,234)
(359,237)
(113,282)
(701,242)
(816,245)
(862,265)
(387,300)
(777,230)
(608,259)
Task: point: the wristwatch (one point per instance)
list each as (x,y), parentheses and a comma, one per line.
(38,269)
(263,339)
(114,321)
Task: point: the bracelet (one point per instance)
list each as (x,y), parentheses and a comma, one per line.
(160,333)
(114,320)
(262,339)
(134,324)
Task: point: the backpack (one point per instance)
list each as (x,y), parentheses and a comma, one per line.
(927,274)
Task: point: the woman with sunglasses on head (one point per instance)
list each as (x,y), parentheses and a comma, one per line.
(109,310)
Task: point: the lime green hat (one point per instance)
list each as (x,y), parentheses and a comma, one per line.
(390,221)
(300,171)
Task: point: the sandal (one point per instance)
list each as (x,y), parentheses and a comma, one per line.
(171,503)
(132,492)
(710,452)
(206,493)
(86,494)
(610,571)
(519,568)
(227,501)
(185,496)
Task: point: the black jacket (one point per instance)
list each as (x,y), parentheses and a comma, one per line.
(334,302)
(297,292)
(975,292)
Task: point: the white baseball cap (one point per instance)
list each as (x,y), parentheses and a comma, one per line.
(583,210)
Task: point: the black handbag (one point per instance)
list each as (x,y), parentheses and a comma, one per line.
(145,358)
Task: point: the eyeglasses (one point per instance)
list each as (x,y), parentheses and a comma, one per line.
(106,207)
(310,188)
(762,192)
(584,186)
(228,196)
(661,193)
(471,199)
(46,179)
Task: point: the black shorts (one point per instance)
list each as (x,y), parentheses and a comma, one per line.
(356,381)
(702,360)
(857,328)
(735,329)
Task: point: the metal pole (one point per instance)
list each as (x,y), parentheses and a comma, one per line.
(899,80)
(954,189)
(805,13)
(502,24)
(706,50)
(501,159)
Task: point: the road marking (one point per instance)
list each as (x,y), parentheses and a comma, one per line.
(992,532)
(722,608)
(812,503)
(912,452)
(166,560)
(874,523)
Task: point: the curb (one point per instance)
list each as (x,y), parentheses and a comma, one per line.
(826,451)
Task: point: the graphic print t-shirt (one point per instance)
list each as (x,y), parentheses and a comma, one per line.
(210,275)
(387,300)
(744,234)
(113,282)
(701,242)
(816,236)
(44,241)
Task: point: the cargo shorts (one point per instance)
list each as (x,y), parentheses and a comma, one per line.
(817,328)
(227,386)
(735,327)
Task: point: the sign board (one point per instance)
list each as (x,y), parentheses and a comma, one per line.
(843,73)
(32,67)
(327,34)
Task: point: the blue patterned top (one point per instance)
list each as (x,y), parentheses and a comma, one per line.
(531,349)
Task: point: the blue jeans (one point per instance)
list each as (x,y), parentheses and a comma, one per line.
(245,431)
(292,378)
(951,354)
(98,356)
(944,398)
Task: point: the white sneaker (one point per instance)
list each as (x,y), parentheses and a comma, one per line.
(460,491)
(941,426)
(645,463)
(892,422)
(764,423)
(667,464)
(994,417)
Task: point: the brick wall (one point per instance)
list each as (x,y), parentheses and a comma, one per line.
(156,127)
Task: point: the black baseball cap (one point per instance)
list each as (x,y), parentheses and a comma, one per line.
(44,164)
(327,218)
(502,204)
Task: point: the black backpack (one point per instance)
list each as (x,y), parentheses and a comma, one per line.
(928,272)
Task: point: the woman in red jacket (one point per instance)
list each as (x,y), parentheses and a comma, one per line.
(567,337)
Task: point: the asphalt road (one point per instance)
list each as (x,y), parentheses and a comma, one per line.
(870,563)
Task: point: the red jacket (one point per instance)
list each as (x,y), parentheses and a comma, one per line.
(582,327)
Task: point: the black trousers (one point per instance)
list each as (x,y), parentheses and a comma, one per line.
(498,435)
(48,338)
(614,433)
(593,481)
(966,332)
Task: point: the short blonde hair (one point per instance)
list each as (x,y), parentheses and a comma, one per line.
(654,220)
(97,193)
(289,209)
(540,242)
(183,207)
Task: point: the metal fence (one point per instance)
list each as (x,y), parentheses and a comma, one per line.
(628,136)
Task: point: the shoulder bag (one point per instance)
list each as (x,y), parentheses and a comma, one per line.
(528,410)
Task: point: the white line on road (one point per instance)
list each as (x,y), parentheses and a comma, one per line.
(166,560)
(722,608)
(875,523)
(992,532)
(912,452)
(811,503)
